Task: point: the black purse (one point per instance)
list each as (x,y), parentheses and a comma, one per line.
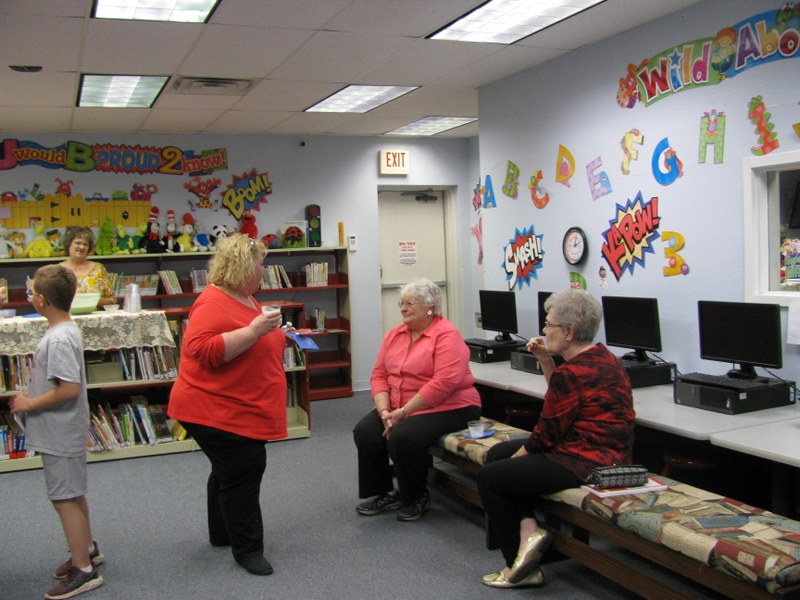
(618,476)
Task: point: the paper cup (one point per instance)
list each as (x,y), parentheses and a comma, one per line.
(476,428)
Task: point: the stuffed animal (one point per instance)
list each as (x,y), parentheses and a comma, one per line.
(217,233)
(4,245)
(272,241)
(153,243)
(39,246)
(56,243)
(185,239)
(201,239)
(139,238)
(105,239)
(170,232)
(249,225)
(125,243)
(16,243)
(293,237)
(64,187)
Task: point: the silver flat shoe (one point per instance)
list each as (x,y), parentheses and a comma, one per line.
(497,580)
(530,555)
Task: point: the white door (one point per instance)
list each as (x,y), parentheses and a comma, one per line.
(412,244)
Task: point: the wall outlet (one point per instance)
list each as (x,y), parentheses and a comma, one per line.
(478,320)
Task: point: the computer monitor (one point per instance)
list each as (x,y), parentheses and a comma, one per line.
(498,313)
(542,296)
(632,323)
(745,333)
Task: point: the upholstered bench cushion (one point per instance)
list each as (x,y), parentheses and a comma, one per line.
(741,540)
(460,444)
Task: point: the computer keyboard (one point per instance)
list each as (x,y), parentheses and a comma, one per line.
(721,381)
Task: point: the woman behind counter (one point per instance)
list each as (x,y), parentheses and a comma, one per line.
(587,420)
(422,388)
(92,276)
(230,395)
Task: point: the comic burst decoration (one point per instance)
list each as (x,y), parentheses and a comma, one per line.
(522,257)
(631,235)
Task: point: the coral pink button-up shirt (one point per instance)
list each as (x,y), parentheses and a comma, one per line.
(436,365)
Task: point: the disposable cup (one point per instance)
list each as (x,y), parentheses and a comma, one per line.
(476,428)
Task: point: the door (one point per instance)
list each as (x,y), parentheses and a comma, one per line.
(412,244)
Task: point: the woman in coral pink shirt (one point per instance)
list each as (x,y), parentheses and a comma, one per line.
(422,388)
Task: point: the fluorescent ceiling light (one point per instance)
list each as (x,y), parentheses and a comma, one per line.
(432,125)
(181,11)
(506,21)
(360,98)
(120,91)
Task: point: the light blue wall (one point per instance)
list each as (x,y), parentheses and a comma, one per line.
(571,101)
(340,174)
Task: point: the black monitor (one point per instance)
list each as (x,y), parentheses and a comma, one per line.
(745,333)
(499,313)
(542,296)
(632,323)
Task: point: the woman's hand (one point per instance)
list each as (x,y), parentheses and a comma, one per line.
(537,347)
(390,419)
(265,323)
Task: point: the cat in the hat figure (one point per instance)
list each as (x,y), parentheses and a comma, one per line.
(153,243)
(170,233)
(185,241)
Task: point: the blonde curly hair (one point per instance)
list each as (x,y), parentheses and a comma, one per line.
(233,263)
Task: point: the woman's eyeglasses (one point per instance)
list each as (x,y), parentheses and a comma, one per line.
(407,304)
(551,325)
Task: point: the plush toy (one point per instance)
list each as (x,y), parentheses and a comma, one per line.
(249,225)
(185,241)
(201,239)
(39,246)
(64,187)
(272,241)
(105,239)
(217,233)
(119,195)
(293,237)
(143,192)
(4,245)
(170,232)
(139,238)
(153,243)
(16,243)
(125,243)
(54,239)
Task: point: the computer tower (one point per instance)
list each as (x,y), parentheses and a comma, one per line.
(522,360)
(732,401)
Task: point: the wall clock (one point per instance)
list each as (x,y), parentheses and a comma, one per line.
(574,245)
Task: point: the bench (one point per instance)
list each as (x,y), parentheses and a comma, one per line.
(737,550)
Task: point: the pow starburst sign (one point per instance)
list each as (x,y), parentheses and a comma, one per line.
(631,234)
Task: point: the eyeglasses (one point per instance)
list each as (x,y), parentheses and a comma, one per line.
(30,294)
(551,325)
(407,304)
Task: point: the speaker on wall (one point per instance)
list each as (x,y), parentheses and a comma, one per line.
(314,236)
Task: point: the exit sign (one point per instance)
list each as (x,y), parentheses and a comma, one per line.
(395,162)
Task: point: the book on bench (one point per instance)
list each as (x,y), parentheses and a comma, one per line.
(652,485)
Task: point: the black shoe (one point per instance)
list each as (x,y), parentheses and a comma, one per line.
(416,509)
(379,504)
(255,564)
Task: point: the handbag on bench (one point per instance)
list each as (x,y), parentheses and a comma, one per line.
(618,476)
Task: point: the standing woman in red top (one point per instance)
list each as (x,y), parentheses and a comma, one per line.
(230,395)
(422,388)
(587,420)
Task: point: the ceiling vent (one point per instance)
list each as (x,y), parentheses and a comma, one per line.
(212,85)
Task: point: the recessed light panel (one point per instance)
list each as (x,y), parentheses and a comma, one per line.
(506,21)
(432,125)
(360,98)
(120,91)
(180,11)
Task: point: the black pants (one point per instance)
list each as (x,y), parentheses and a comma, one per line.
(234,485)
(509,486)
(407,446)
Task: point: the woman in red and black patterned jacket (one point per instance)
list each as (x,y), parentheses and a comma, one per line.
(587,420)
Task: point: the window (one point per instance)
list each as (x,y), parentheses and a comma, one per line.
(771,188)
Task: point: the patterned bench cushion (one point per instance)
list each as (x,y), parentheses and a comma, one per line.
(746,542)
(460,444)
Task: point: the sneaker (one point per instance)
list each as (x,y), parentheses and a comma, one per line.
(416,509)
(95,556)
(379,504)
(76,582)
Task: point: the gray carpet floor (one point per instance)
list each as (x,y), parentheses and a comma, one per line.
(148,516)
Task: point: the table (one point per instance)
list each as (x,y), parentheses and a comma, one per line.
(655,407)
(100,330)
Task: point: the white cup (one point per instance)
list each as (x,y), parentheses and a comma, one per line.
(270,310)
(476,428)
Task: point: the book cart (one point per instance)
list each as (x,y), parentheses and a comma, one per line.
(312,375)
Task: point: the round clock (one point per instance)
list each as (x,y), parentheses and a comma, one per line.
(574,245)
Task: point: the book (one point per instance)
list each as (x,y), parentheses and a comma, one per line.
(293,234)
(652,485)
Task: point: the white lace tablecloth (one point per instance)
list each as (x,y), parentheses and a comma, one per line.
(101,331)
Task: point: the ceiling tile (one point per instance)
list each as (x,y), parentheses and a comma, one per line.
(246,121)
(108,119)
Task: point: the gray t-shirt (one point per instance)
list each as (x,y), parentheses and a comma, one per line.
(62,430)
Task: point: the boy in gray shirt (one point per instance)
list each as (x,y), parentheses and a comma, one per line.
(55,414)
